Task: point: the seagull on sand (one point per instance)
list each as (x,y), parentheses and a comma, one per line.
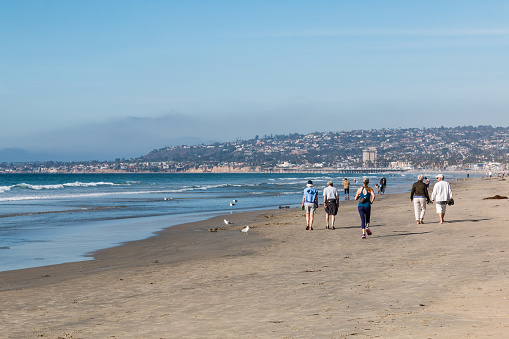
(227,222)
(245,229)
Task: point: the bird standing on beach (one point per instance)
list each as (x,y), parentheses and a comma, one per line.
(245,229)
(227,222)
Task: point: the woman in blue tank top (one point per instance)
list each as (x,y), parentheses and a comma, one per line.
(366,196)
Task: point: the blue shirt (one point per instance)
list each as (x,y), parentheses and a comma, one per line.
(368,196)
(310,194)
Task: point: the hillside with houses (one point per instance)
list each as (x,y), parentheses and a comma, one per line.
(455,148)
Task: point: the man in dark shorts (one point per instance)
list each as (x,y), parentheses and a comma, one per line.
(346,186)
(330,203)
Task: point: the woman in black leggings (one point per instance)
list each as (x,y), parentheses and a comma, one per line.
(366,196)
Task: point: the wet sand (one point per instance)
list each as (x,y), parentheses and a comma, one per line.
(280,281)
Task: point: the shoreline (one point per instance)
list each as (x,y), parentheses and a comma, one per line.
(180,229)
(197,221)
(282,281)
(143,250)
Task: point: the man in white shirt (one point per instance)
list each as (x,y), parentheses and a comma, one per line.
(330,203)
(441,193)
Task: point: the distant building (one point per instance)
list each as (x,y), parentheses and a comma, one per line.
(369,157)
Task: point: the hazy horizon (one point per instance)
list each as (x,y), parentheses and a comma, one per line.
(20,155)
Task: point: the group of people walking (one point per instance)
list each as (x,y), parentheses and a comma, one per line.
(442,195)
(364,194)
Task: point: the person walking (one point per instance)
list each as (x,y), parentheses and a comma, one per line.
(366,196)
(309,204)
(330,203)
(419,196)
(441,193)
(346,187)
(383,185)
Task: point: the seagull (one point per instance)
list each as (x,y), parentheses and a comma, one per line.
(232,204)
(234,201)
(227,222)
(245,229)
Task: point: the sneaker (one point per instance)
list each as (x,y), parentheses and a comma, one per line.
(363,236)
(368,231)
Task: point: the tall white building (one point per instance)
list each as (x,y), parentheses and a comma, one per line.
(369,157)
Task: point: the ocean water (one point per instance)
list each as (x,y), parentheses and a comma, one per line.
(50,219)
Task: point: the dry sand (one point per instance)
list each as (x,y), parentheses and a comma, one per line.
(280,281)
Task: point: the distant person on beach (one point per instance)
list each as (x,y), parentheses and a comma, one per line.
(377,189)
(346,187)
(330,203)
(383,185)
(309,204)
(441,193)
(366,196)
(426,181)
(419,196)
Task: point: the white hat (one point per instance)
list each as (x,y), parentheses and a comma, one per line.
(441,176)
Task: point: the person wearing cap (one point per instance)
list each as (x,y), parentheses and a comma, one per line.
(330,203)
(441,193)
(309,204)
(419,196)
(366,196)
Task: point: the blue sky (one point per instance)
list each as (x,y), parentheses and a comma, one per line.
(107,79)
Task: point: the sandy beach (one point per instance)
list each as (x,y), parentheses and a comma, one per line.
(281,281)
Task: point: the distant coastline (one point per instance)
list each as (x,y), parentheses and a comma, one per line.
(476,149)
(224,170)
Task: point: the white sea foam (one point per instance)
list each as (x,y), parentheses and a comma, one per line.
(38,187)
(5,188)
(90,184)
(57,186)
(76,195)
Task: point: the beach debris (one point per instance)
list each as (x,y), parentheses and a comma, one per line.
(227,222)
(215,229)
(280,207)
(245,230)
(496,197)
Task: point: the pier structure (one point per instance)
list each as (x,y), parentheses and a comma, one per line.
(357,170)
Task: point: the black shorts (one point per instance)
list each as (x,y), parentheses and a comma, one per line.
(331,208)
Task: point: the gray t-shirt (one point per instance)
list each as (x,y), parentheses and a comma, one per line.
(330,192)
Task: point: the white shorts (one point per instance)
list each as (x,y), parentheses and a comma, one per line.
(441,207)
(309,207)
